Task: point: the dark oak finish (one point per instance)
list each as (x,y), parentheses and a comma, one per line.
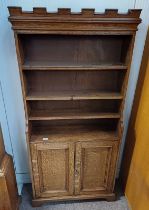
(79,50)
(9,199)
(71,95)
(71,68)
(74,69)
(84,22)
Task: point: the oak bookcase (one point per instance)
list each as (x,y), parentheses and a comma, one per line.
(74,70)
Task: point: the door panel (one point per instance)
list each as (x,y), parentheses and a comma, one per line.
(95,167)
(53,169)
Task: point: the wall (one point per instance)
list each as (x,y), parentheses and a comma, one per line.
(12,119)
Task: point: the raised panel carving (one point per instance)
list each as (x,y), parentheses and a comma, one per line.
(94,164)
(95,170)
(54,169)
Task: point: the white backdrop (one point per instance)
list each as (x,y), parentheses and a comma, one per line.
(11,104)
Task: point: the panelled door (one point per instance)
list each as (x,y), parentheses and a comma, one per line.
(95,167)
(53,169)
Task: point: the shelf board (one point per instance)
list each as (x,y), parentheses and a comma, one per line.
(73,95)
(73,133)
(71,114)
(74,67)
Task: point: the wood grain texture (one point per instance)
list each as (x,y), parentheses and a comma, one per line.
(79,50)
(74,69)
(34,66)
(73,109)
(74,82)
(104,196)
(132,13)
(94,164)
(54,167)
(74,133)
(71,115)
(9,199)
(71,95)
(86,20)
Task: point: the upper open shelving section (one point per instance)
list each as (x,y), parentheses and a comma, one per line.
(86,101)
(90,51)
(73,85)
(84,40)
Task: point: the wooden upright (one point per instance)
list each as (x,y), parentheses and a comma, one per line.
(9,199)
(74,69)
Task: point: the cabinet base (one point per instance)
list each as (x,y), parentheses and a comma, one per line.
(40,201)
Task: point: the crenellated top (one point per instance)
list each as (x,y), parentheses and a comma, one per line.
(132,13)
(65,20)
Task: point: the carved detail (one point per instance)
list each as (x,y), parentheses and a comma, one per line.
(88,12)
(135,13)
(15,10)
(40,10)
(111,12)
(64,20)
(65,11)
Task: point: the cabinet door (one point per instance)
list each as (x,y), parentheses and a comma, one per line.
(53,169)
(95,167)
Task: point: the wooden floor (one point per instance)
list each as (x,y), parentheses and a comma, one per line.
(120,204)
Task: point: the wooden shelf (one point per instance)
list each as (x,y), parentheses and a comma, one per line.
(74,68)
(74,133)
(77,95)
(71,114)
(49,67)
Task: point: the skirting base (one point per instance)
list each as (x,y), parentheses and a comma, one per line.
(40,201)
